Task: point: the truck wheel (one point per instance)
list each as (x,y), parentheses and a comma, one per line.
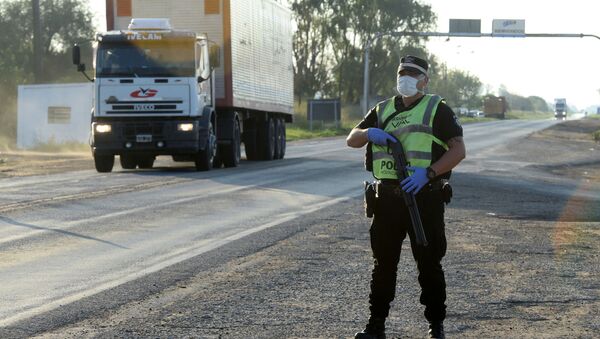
(127,161)
(204,158)
(145,162)
(278,136)
(231,154)
(266,139)
(282,140)
(250,140)
(104,163)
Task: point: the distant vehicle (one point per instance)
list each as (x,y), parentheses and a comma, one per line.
(495,107)
(597,110)
(474,113)
(462,111)
(560,109)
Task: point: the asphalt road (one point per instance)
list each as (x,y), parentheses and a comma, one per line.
(66,237)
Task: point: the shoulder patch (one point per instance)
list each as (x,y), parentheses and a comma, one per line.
(457,121)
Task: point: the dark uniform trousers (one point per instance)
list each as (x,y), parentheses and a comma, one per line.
(390,225)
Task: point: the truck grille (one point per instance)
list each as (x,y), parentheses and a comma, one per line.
(156,129)
(146,107)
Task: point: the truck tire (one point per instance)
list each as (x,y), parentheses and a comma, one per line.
(204,158)
(230,154)
(250,140)
(266,139)
(127,161)
(282,141)
(277,123)
(104,163)
(145,162)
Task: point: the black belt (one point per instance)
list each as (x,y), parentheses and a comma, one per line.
(394,185)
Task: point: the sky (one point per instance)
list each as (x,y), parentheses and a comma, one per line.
(547,67)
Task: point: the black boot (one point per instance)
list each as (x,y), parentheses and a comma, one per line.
(436,330)
(375,329)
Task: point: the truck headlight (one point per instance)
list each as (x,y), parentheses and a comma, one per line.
(103,128)
(187,127)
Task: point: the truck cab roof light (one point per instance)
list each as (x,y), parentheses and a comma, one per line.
(149,24)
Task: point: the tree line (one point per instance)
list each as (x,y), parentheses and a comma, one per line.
(63,22)
(328,46)
(329,53)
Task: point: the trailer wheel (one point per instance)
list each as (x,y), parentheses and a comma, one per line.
(230,154)
(266,139)
(127,161)
(250,140)
(104,163)
(277,123)
(204,158)
(146,162)
(282,141)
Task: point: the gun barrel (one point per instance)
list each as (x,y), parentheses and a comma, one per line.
(409,199)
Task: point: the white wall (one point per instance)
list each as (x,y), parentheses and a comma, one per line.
(55,112)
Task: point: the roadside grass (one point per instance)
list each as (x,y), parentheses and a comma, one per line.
(526,115)
(596,134)
(352,115)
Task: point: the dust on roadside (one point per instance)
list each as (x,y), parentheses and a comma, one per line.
(26,163)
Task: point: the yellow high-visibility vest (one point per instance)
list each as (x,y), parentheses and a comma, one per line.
(414,129)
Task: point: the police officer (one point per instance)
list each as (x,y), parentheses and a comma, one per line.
(432,139)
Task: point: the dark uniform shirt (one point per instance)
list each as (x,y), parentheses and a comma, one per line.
(445,125)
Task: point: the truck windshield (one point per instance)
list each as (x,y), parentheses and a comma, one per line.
(161,58)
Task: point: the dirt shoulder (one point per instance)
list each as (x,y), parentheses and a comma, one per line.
(23,163)
(566,149)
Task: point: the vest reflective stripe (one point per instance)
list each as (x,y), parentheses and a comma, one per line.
(433,102)
(418,155)
(409,155)
(384,106)
(414,129)
(381,156)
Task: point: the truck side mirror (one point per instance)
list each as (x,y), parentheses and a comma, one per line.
(76,55)
(215,56)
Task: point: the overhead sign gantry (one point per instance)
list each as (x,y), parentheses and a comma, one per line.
(467,28)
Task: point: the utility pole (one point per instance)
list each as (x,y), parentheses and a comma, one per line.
(37,42)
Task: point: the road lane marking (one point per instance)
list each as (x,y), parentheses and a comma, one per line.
(170,259)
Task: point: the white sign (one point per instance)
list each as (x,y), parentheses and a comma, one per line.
(508,27)
(54,113)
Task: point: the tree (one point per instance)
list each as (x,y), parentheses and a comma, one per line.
(331,34)
(310,38)
(64,22)
(459,88)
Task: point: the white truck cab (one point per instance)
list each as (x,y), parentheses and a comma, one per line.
(153,96)
(160,90)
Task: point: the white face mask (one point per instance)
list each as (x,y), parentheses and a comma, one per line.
(407,85)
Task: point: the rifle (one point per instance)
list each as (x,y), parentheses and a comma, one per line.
(409,199)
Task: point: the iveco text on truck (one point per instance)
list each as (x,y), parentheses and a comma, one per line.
(192,80)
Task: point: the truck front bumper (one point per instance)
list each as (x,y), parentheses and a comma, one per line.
(151,137)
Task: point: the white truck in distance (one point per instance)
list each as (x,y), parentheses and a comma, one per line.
(560,109)
(159,91)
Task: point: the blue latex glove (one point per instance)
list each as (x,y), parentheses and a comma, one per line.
(379,136)
(416,181)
